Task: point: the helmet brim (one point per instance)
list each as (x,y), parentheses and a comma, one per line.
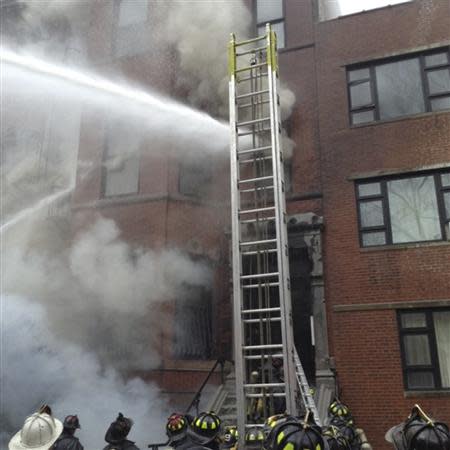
(16,443)
(394,436)
(199,439)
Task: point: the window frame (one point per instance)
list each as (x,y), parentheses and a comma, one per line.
(440,190)
(372,79)
(281,19)
(430,332)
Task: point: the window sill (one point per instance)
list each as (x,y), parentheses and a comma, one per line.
(380,248)
(398,119)
(428,393)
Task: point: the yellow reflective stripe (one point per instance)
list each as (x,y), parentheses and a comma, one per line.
(204,426)
(213,426)
(280,437)
(198,422)
(290,446)
(318,447)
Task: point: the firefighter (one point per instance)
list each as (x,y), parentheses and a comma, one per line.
(298,436)
(205,430)
(116,435)
(67,439)
(176,430)
(230,438)
(419,432)
(39,432)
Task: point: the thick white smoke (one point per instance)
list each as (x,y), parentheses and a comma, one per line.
(40,367)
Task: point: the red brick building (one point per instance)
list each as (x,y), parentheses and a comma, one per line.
(369,204)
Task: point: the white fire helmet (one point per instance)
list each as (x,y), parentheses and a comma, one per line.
(39,432)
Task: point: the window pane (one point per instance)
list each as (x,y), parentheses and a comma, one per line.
(279,30)
(445,179)
(360,95)
(414,320)
(417,350)
(363,117)
(418,380)
(122,161)
(399,87)
(442,330)
(359,74)
(132,12)
(447,204)
(371,214)
(439,81)
(440,104)
(436,59)
(267,10)
(413,210)
(368,189)
(375,238)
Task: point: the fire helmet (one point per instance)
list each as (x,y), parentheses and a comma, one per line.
(254,438)
(338,409)
(205,427)
(39,432)
(299,436)
(71,423)
(118,430)
(272,425)
(230,437)
(176,427)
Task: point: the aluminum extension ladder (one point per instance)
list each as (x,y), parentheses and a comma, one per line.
(269,378)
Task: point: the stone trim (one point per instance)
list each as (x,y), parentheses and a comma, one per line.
(392,305)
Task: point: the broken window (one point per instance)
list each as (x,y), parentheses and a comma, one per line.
(121,160)
(425,347)
(132,32)
(193,324)
(271,11)
(399,87)
(413,208)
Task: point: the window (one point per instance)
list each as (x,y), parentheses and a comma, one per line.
(132,28)
(425,347)
(195,179)
(395,88)
(271,11)
(121,160)
(413,208)
(193,324)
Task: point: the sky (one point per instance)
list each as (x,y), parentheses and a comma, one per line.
(353,6)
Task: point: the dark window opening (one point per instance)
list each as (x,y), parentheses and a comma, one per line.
(412,208)
(193,337)
(425,348)
(195,179)
(399,87)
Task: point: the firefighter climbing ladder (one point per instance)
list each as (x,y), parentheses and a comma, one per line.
(269,375)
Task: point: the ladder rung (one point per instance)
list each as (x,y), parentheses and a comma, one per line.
(250,211)
(246,133)
(259,252)
(263,188)
(249,41)
(254,160)
(275,355)
(262,242)
(253,180)
(271,319)
(263,385)
(252,122)
(255,66)
(252,77)
(262,347)
(254,286)
(248,105)
(268,394)
(250,94)
(262,219)
(260,310)
(260,275)
(255,150)
(251,51)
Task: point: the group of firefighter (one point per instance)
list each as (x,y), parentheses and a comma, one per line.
(41,431)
